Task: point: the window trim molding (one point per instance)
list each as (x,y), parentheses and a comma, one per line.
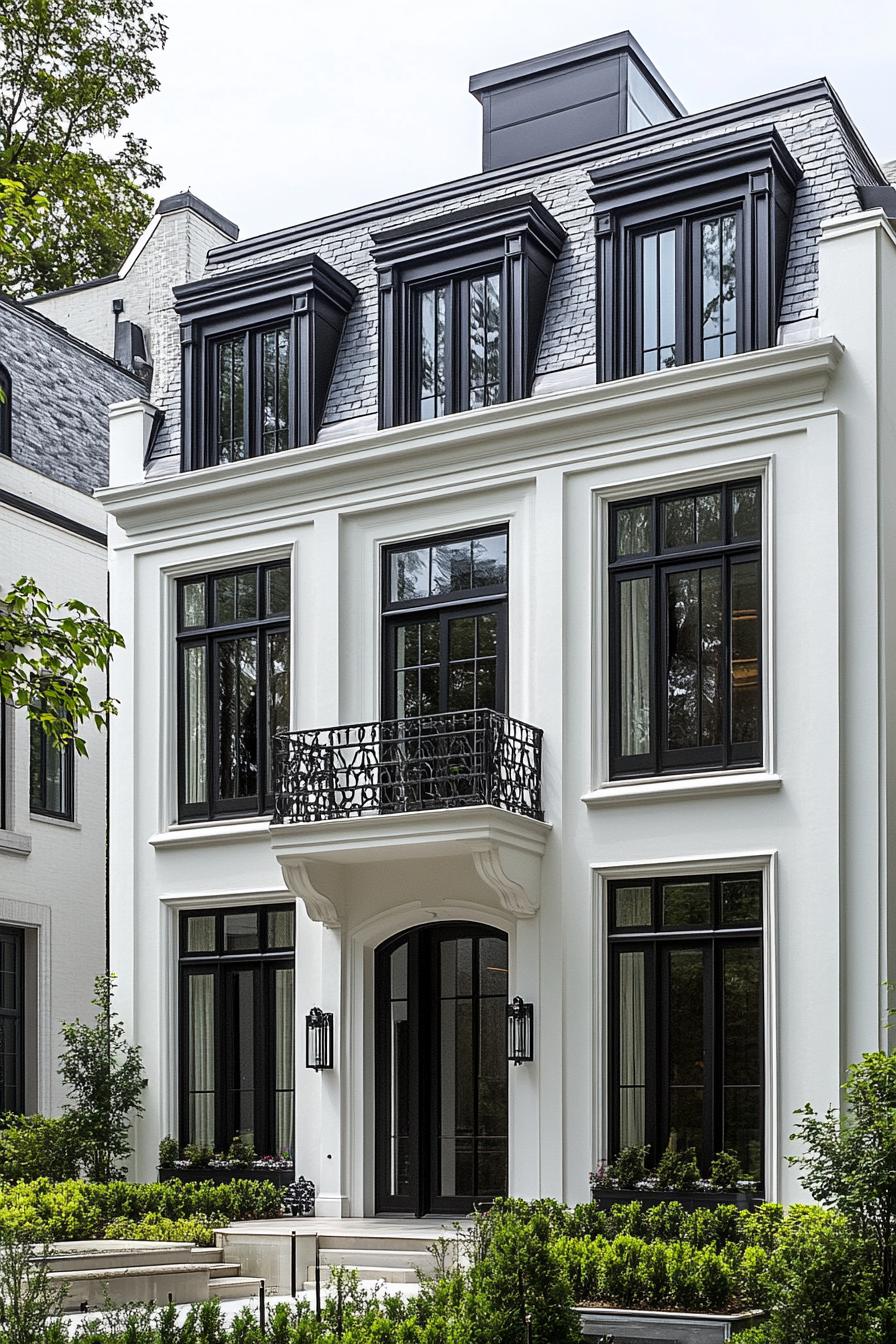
(762,861)
(517,236)
(305,293)
(750,172)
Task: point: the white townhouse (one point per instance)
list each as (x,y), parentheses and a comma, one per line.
(507,574)
(53,897)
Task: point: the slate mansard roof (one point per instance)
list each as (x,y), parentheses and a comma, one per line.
(61,392)
(810,118)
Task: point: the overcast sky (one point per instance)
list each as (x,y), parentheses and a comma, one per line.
(276,111)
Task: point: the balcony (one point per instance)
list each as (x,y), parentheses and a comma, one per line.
(442,785)
(462,759)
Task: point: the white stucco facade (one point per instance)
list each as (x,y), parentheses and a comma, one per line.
(814,419)
(53,869)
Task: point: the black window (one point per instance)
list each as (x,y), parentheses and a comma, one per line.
(237,1028)
(458,345)
(259,348)
(462,299)
(251,394)
(52,775)
(233,688)
(686,1013)
(671,324)
(12,1038)
(4,767)
(691,250)
(685,580)
(5,412)
(445,625)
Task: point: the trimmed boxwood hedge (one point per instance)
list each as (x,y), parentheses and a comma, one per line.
(44,1210)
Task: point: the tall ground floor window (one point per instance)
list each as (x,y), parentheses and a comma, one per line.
(12,1034)
(237,1028)
(686,996)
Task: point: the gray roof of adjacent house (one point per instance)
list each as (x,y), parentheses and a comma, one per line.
(61,393)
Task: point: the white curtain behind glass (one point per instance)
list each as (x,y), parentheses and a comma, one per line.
(195,724)
(634,665)
(631,1048)
(284,1059)
(201,1047)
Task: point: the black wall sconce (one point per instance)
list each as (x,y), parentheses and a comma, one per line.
(318,1040)
(519,1031)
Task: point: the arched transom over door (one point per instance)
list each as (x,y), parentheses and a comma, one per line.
(441,1069)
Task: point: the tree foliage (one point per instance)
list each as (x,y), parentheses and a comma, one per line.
(46,653)
(105,1078)
(849,1160)
(70,72)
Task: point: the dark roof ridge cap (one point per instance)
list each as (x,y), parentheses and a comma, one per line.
(23,310)
(526,202)
(458,187)
(69,289)
(187,200)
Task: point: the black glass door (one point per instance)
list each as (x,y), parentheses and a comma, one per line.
(441,1068)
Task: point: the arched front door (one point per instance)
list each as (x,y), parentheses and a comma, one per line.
(441,1069)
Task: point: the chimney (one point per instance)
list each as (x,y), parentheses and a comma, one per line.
(568,99)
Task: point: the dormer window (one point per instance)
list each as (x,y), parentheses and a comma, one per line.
(5,412)
(462,301)
(258,353)
(691,248)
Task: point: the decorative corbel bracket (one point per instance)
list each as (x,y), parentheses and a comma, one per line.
(515,878)
(318,905)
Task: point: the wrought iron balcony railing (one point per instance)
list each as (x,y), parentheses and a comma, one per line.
(459,759)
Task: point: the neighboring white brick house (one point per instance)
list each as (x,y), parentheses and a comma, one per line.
(53,825)
(716,799)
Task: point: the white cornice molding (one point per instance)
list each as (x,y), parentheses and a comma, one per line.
(760,382)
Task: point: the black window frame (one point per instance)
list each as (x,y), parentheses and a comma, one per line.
(5,412)
(516,238)
(304,294)
(475,601)
(750,174)
(662,760)
(457,371)
(216,963)
(16,938)
(715,937)
(207,636)
(37,800)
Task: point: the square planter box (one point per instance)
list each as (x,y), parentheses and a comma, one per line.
(688,1199)
(279,1176)
(664,1327)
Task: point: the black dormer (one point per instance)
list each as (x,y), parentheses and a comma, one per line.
(691,251)
(462,300)
(259,347)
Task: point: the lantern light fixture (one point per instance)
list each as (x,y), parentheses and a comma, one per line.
(519,1031)
(318,1040)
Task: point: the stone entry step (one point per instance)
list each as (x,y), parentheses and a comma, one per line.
(238,1285)
(118,1271)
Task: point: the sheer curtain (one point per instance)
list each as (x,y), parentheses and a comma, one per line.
(634,665)
(631,1048)
(195,718)
(201,1000)
(284,1059)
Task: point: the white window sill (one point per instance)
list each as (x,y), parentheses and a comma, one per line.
(56,821)
(210,832)
(683,786)
(12,842)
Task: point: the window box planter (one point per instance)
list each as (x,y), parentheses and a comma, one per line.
(223,1175)
(606,1196)
(651,1327)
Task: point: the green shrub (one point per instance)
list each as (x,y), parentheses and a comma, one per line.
(518,1273)
(630,1167)
(156,1227)
(819,1281)
(32,1146)
(169,1151)
(677,1170)
(726,1172)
